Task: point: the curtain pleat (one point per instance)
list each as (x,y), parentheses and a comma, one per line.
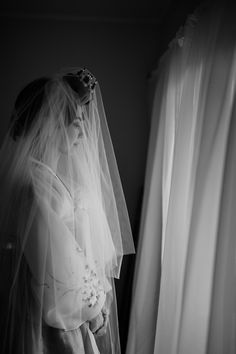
(185,278)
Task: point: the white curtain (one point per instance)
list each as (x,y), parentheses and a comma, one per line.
(184,294)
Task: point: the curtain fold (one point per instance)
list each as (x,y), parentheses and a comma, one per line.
(185,278)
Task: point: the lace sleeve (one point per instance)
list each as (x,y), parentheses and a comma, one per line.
(65,283)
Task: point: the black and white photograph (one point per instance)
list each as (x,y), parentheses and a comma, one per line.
(118,177)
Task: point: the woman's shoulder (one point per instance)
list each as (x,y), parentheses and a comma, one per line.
(48,187)
(43,175)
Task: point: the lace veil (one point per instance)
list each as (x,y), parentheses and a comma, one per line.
(63,218)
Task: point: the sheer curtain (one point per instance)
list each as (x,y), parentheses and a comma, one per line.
(184,293)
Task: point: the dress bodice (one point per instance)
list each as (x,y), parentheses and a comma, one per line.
(81,212)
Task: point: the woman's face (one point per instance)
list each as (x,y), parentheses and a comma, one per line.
(74,131)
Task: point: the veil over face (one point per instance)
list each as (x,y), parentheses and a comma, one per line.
(63,218)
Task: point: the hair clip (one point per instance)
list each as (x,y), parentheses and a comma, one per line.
(87,78)
(83,83)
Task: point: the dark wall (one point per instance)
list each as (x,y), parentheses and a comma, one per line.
(120,55)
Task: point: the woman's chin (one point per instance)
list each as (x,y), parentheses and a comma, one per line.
(77,142)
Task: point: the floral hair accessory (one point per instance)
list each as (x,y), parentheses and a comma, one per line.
(87,78)
(83,83)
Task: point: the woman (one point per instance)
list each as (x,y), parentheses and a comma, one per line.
(64,223)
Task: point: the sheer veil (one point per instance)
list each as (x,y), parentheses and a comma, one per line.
(63,218)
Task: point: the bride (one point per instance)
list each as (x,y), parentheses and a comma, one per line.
(63,219)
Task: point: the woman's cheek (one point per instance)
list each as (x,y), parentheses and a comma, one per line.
(72,135)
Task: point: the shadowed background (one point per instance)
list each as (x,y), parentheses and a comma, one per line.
(120,42)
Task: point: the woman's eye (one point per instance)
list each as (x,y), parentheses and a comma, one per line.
(76,124)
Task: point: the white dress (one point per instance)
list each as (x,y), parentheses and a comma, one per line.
(65,276)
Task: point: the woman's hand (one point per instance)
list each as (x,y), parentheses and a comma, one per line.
(102,330)
(98,325)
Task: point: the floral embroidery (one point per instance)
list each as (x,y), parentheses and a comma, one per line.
(92,289)
(81,199)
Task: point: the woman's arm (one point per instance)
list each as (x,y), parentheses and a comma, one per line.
(64,284)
